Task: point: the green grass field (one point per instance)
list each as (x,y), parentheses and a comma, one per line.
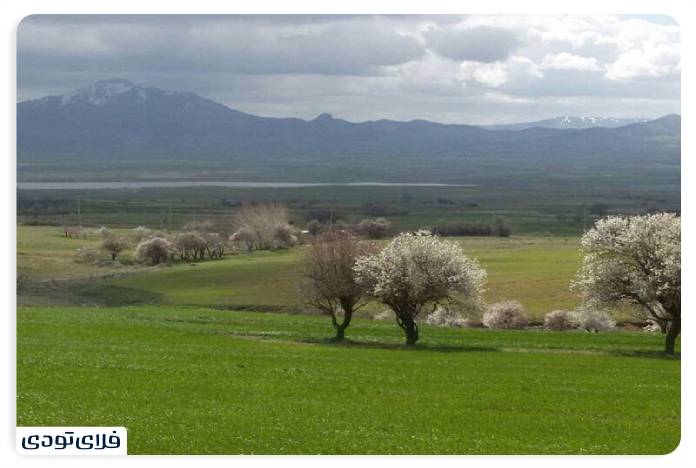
(201,381)
(533,270)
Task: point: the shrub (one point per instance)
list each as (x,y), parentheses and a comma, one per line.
(508,315)
(154,250)
(141,232)
(114,245)
(501,227)
(87,255)
(462,229)
(74,232)
(593,320)
(103,231)
(190,245)
(285,236)
(560,320)
(445,317)
(314,227)
(373,228)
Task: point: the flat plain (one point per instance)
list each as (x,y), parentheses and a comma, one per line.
(201,381)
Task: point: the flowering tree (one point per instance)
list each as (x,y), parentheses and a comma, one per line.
(114,245)
(330,284)
(419,271)
(155,250)
(635,260)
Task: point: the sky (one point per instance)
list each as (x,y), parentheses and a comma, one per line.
(444,68)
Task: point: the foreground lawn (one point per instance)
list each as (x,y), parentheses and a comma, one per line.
(190,380)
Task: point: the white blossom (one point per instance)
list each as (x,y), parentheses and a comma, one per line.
(418,271)
(635,260)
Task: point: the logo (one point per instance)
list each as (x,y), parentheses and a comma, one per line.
(72,441)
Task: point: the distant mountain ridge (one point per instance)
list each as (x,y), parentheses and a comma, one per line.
(564,122)
(116,119)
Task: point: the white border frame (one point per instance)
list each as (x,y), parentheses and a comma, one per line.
(12,13)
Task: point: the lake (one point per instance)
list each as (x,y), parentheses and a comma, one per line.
(175,184)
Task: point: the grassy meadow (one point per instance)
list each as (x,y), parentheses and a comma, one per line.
(201,381)
(534,270)
(221,356)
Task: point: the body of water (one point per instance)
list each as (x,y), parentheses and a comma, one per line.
(175,184)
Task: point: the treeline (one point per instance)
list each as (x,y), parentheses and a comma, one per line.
(500,227)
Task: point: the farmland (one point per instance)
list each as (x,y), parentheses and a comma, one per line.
(200,381)
(533,270)
(222,356)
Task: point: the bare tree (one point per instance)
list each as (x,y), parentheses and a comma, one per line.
(265,222)
(214,244)
(190,245)
(330,284)
(244,236)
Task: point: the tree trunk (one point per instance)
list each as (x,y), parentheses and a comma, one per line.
(113,257)
(411,330)
(341,327)
(673,331)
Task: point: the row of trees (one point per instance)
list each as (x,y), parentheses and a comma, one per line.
(634,260)
(500,227)
(415,272)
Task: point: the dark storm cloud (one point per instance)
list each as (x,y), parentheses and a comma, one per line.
(256,45)
(469,69)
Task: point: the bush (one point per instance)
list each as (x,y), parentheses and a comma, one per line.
(509,315)
(373,228)
(285,236)
(190,245)
(592,320)
(462,229)
(560,320)
(74,232)
(114,245)
(103,231)
(154,250)
(141,232)
(87,255)
(444,317)
(501,227)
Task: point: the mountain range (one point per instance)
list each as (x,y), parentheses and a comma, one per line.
(116,119)
(569,121)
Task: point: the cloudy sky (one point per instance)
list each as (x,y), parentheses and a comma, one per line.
(463,69)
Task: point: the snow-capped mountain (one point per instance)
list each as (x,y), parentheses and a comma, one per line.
(568,121)
(115,119)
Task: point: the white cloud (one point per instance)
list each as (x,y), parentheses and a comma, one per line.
(517,69)
(651,62)
(505,99)
(568,61)
(450,68)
